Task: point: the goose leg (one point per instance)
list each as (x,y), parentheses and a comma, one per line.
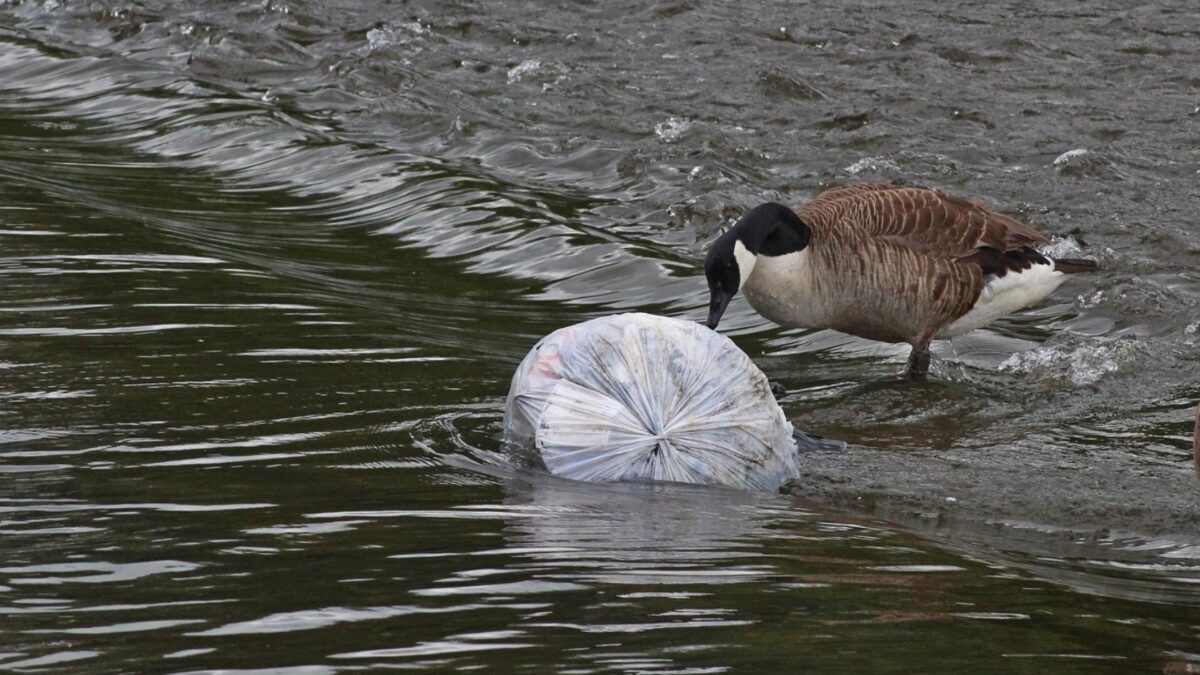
(918,361)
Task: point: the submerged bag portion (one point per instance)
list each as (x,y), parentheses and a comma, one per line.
(643,397)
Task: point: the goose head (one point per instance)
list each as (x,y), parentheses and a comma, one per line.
(770,229)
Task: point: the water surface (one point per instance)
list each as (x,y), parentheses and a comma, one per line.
(268,266)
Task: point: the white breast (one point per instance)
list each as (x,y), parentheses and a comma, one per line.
(781,289)
(1005,295)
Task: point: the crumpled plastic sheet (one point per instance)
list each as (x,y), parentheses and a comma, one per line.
(642,397)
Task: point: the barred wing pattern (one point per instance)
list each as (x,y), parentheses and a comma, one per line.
(924,220)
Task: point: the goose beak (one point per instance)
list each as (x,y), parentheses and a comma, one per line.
(716,307)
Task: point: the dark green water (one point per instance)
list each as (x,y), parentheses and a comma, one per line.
(267,268)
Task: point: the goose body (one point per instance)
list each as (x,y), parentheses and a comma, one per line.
(884,262)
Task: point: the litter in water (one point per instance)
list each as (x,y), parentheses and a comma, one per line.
(643,397)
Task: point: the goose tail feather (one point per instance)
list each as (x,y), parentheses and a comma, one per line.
(1075,265)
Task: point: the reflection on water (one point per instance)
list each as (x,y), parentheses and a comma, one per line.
(268,267)
(644,534)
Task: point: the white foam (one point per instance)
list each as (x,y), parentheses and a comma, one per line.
(673,129)
(1062,247)
(386,36)
(872,164)
(1089,300)
(523,69)
(1069,155)
(1080,364)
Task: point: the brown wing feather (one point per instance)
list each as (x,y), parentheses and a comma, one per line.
(843,191)
(932,222)
(910,294)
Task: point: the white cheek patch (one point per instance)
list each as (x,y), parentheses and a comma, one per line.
(745,261)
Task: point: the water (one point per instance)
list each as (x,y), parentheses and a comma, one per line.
(268,266)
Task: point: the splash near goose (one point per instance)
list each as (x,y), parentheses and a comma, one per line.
(883,262)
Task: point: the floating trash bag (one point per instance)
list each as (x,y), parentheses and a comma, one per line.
(642,397)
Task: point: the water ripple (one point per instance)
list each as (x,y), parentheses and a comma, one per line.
(268,268)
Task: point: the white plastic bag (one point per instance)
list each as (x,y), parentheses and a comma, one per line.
(643,397)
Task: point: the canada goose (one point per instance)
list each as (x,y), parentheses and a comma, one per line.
(883,262)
